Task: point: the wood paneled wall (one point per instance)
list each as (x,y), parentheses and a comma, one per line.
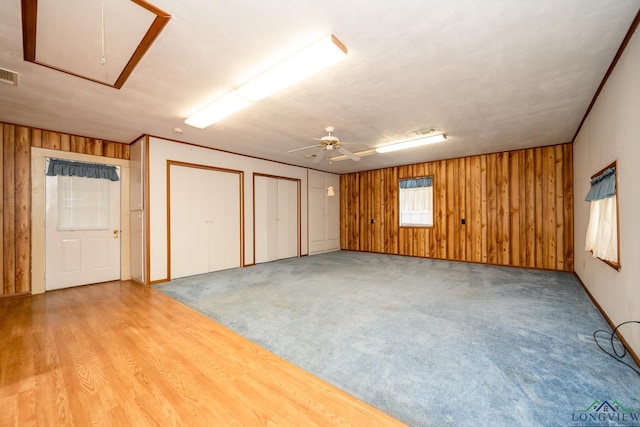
(15,203)
(517,207)
(15,210)
(78,144)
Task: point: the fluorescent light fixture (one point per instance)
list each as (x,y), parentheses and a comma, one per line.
(217,111)
(299,66)
(417,142)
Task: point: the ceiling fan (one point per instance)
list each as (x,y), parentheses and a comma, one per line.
(328,144)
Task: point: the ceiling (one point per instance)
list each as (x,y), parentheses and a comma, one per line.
(492,75)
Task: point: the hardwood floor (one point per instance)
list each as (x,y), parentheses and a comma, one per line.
(125,354)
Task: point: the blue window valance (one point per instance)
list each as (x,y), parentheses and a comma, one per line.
(416,182)
(88,170)
(603,186)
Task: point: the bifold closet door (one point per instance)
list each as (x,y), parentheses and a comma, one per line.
(205,220)
(276,218)
(287,220)
(224,227)
(266,212)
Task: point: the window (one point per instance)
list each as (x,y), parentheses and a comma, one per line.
(84,193)
(602,231)
(416,202)
(83,203)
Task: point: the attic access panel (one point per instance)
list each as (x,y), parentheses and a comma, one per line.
(68,36)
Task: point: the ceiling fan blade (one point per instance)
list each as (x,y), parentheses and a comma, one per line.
(304,148)
(349,154)
(320,156)
(354,143)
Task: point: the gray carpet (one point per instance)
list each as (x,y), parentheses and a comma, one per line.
(432,343)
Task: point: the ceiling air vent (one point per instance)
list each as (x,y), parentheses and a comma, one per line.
(9,77)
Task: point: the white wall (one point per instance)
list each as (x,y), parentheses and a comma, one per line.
(161,150)
(612,132)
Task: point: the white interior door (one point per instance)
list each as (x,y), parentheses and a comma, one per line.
(317,219)
(324,213)
(82,231)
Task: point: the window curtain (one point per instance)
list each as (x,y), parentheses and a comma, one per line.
(416,199)
(602,186)
(416,194)
(416,182)
(602,230)
(88,170)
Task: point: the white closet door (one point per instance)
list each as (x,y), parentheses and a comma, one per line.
(224,220)
(276,218)
(189,227)
(266,218)
(261,218)
(272,219)
(205,221)
(180,223)
(287,224)
(199,218)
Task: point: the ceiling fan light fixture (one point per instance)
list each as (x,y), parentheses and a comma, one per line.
(412,143)
(297,67)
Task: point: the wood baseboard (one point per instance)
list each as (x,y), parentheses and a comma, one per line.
(19,294)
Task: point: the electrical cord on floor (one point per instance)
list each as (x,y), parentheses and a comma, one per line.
(612,337)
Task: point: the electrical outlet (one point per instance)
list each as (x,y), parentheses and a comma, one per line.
(463,221)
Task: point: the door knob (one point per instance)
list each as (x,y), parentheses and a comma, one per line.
(116,234)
